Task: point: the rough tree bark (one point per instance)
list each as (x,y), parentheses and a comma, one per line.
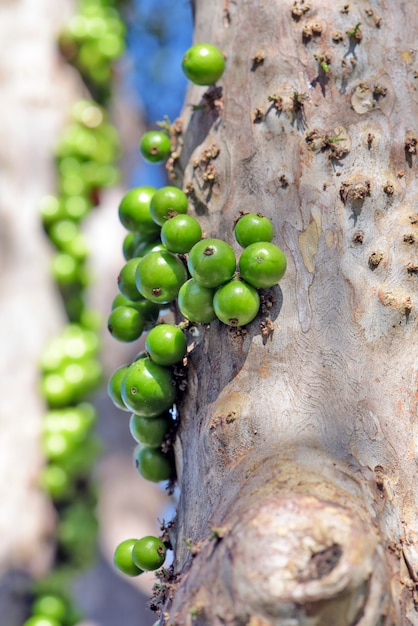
(297,448)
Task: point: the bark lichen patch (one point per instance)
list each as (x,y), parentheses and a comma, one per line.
(309,240)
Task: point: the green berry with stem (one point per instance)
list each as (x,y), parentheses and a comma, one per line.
(134,211)
(212,262)
(262,264)
(149,553)
(147,388)
(252,228)
(159,276)
(155,146)
(203,64)
(167,202)
(114,386)
(166,344)
(125,323)
(180,233)
(236,303)
(196,302)
(123,558)
(153,464)
(150,431)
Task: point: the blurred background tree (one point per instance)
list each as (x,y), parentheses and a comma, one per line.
(39,89)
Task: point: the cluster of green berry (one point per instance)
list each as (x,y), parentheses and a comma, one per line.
(92,40)
(52,609)
(169,261)
(85,163)
(136,556)
(70,366)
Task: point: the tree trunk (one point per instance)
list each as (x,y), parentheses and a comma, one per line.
(296,452)
(37,91)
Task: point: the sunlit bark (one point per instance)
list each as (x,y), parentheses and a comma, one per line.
(296,452)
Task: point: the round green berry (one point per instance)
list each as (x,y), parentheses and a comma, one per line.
(134,211)
(211,262)
(180,233)
(150,431)
(153,464)
(167,202)
(125,323)
(236,303)
(123,558)
(114,387)
(149,310)
(132,243)
(166,344)
(196,302)
(155,146)
(50,605)
(203,64)
(41,620)
(159,276)
(252,228)
(149,553)
(262,264)
(127,280)
(56,481)
(147,388)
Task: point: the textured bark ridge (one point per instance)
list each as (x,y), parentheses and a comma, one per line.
(296,452)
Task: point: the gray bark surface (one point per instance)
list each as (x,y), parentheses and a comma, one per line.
(299,446)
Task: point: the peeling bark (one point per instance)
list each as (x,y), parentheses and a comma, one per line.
(296,452)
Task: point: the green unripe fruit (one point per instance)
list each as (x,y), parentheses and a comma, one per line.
(132,242)
(252,228)
(127,280)
(203,64)
(150,431)
(41,620)
(149,553)
(114,387)
(50,605)
(180,233)
(155,146)
(134,211)
(212,262)
(196,302)
(56,481)
(167,202)
(236,303)
(166,344)
(153,464)
(147,388)
(125,323)
(159,276)
(262,264)
(148,310)
(123,558)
